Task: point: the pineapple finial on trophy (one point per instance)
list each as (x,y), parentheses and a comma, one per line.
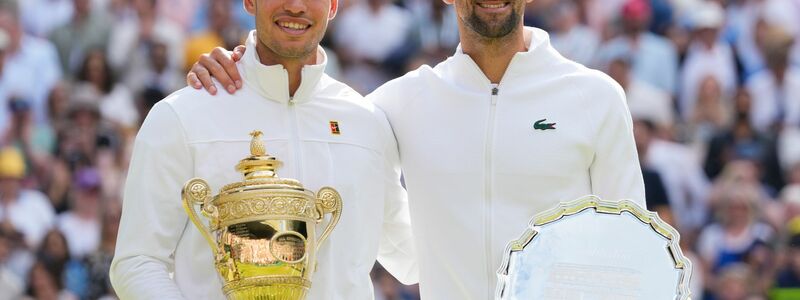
(256,146)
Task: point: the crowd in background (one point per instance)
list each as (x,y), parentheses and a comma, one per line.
(713,87)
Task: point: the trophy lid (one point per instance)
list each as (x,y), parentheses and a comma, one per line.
(260,168)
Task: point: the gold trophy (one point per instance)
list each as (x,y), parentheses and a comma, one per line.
(262,230)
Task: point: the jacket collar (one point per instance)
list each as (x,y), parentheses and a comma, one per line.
(464,71)
(272,82)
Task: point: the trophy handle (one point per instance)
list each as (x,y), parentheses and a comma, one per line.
(196,191)
(328,201)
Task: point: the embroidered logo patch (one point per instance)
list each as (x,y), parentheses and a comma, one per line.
(335,128)
(541,125)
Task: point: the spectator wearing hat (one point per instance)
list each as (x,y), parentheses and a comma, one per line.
(22,211)
(707,56)
(81,224)
(776,89)
(654,58)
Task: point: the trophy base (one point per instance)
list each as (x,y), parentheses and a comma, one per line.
(267,289)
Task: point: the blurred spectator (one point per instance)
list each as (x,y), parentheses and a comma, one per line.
(158,73)
(40,17)
(644,100)
(137,41)
(99,262)
(87,31)
(22,211)
(707,56)
(435,23)
(86,131)
(221,32)
(31,67)
(45,285)
(741,142)
(655,192)
(787,281)
(776,89)
(571,38)
(710,115)
(35,141)
(685,185)
(70,274)
(735,282)
(736,229)
(364,49)
(655,59)
(81,224)
(116,101)
(181,12)
(11,285)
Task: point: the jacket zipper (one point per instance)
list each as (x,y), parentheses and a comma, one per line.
(489,179)
(295,141)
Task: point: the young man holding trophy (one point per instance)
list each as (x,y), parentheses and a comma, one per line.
(504,129)
(325,134)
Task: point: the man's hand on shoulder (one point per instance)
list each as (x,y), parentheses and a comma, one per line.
(219,64)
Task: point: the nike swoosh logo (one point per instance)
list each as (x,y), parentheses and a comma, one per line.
(541,125)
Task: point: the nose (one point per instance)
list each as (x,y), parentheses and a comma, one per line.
(295,7)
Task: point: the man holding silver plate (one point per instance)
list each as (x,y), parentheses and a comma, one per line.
(504,130)
(262,229)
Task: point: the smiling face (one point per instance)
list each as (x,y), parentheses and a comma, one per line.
(291,28)
(490,19)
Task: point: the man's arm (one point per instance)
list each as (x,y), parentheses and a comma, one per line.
(153,219)
(396,252)
(615,172)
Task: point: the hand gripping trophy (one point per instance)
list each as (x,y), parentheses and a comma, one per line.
(263,229)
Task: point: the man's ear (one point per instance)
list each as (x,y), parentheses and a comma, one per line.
(334,9)
(250,6)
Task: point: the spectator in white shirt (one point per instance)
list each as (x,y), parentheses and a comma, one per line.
(776,89)
(364,45)
(22,211)
(644,100)
(133,40)
(572,39)
(31,67)
(81,225)
(707,56)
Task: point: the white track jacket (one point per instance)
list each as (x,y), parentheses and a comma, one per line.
(193,134)
(481,160)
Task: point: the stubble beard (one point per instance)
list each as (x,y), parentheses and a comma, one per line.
(485,30)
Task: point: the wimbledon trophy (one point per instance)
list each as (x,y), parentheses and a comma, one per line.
(263,229)
(593,249)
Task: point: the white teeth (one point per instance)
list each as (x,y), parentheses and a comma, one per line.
(484,5)
(292,25)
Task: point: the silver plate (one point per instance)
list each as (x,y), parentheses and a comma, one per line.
(592,249)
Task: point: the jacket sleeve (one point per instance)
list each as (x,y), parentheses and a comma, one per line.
(396,252)
(153,219)
(615,171)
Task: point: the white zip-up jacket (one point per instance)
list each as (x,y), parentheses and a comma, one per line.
(481,160)
(193,134)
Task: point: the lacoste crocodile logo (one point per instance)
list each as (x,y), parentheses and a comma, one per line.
(541,125)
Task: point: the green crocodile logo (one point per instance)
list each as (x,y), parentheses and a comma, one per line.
(540,125)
